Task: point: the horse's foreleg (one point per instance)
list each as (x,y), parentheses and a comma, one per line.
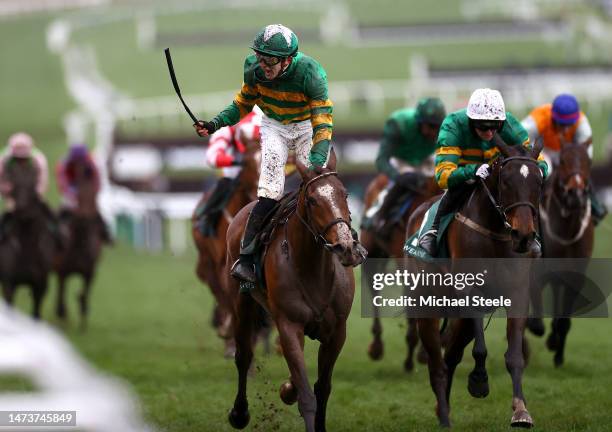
(244,335)
(429,333)
(84,299)
(60,308)
(478,380)
(39,290)
(8,291)
(460,334)
(412,339)
(328,354)
(515,364)
(376,349)
(291,338)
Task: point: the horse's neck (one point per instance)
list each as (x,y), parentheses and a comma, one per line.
(561,220)
(303,248)
(480,209)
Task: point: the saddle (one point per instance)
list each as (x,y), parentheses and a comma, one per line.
(277,217)
(412,248)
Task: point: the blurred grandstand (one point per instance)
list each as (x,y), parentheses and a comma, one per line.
(153,164)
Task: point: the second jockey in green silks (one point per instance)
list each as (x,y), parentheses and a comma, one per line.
(465,151)
(406,156)
(291,90)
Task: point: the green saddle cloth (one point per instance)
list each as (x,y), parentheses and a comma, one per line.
(412,248)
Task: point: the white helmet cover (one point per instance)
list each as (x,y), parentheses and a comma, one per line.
(20,145)
(486,104)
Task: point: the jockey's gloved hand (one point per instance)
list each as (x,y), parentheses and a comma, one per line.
(318,155)
(483,171)
(204,128)
(238,159)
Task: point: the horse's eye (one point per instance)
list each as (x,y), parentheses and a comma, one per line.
(311,201)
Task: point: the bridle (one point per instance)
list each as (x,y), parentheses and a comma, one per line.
(501,209)
(320,235)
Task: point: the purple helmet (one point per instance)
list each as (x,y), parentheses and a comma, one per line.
(565,109)
(78,151)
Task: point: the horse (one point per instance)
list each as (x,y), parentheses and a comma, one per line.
(392,247)
(211,250)
(308,273)
(28,244)
(85,238)
(498,221)
(568,232)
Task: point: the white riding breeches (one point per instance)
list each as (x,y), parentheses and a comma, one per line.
(276,141)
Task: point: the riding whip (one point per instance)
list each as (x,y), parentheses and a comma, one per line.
(175,84)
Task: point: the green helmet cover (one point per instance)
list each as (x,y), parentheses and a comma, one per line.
(430,110)
(275,40)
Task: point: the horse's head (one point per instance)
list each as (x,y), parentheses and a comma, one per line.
(572,175)
(23,176)
(517,181)
(323,209)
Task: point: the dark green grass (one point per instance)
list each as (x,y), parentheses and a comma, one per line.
(150,325)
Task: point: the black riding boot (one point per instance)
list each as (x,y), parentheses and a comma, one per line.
(598,209)
(105,234)
(381,218)
(4,222)
(210,213)
(244,267)
(451,200)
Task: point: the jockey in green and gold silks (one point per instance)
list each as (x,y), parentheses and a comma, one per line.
(460,152)
(465,151)
(406,157)
(291,90)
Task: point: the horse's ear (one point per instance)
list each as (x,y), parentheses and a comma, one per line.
(305,173)
(537,147)
(331,162)
(501,145)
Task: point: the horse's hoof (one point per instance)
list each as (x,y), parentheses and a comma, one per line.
(552,342)
(536,326)
(376,350)
(444,421)
(288,393)
(522,419)
(239,420)
(478,384)
(558,360)
(408,365)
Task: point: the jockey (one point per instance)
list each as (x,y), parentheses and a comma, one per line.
(225,150)
(465,150)
(291,90)
(21,146)
(405,154)
(562,121)
(67,183)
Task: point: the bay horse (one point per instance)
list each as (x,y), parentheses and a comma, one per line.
(392,247)
(85,238)
(28,244)
(310,286)
(568,232)
(489,227)
(211,250)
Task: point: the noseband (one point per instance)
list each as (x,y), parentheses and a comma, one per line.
(319,236)
(503,211)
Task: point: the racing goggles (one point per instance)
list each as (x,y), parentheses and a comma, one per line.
(268,60)
(487,125)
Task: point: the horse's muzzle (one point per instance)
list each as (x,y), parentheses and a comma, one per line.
(522,242)
(350,256)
